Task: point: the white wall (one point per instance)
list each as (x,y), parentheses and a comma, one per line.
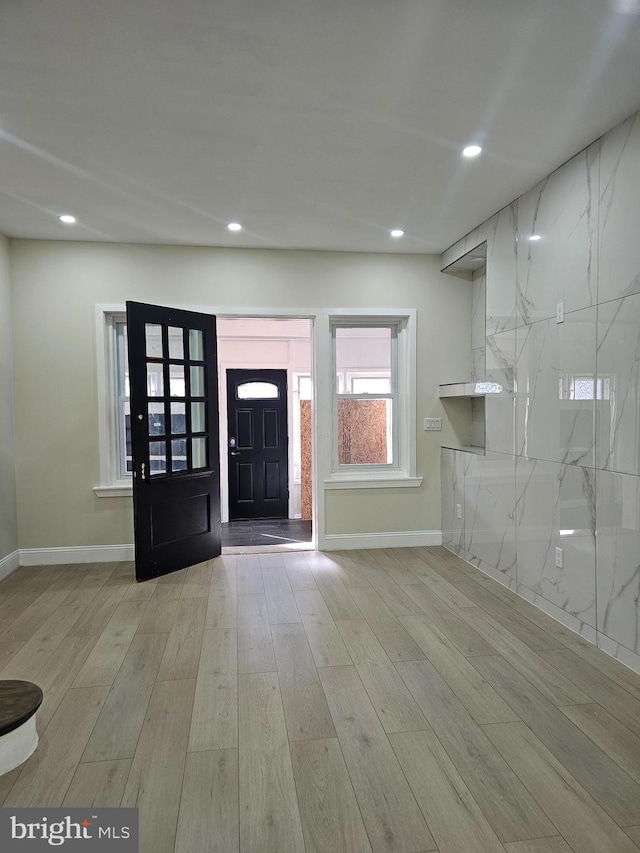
(56,286)
(563,467)
(8,524)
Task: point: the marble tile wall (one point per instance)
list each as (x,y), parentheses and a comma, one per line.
(562,468)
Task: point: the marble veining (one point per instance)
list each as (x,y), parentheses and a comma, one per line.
(489,512)
(563,445)
(618,558)
(555,378)
(618,386)
(561,266)
(453,468)
(478,309)
(619,269)
(556,508)
(500,409)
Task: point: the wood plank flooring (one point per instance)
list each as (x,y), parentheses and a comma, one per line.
(388,701)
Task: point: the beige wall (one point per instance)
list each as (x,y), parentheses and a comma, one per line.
(56,286)
(8,525)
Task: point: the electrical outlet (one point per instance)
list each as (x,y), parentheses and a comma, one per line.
(433,423)
(560,312)
(559,557)
(458,511)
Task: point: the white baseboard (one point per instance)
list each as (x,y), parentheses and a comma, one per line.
(402,539)
(9,564)
(76,554)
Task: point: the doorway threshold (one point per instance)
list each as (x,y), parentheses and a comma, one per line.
(232,550)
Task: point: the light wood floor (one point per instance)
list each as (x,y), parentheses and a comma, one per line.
(395,701)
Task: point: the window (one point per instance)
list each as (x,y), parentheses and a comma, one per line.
(373,383)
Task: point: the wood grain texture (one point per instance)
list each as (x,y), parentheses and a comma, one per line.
(599,687)
(305,707)
(388,693)
(46,776)
(326,644)
(255,649)
(155,779)
(269,815)
(454,817)
(612,788)
(214,722)
(389,810)
(100,784)
(331,819)
(557,844)
(579,819)
(281,605)
(512,812)
(118,727)
(208,821)
(620,744)
(478,697)
(183,738)
(393,637)
(534,668)
(102,665)
(182,651)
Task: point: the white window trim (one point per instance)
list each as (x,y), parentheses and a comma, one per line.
(111,484)
(403,475)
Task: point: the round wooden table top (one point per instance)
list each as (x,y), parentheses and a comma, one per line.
(19,700)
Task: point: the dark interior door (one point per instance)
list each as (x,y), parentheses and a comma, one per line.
(258,444)
(174,437)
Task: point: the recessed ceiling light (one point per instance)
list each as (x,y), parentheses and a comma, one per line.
(471,151)
(234,226)
(397,232)
(67,219)
(535,237)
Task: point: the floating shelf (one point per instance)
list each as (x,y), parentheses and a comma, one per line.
(470,389)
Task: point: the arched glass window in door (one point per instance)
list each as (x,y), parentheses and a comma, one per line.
(257,391)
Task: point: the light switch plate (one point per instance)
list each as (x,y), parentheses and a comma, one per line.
(458,511)
(560,312)
(559,557)
(433,423)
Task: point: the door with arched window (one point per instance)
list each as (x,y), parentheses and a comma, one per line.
(257,444)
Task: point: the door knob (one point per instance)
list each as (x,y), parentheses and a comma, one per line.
(235,453)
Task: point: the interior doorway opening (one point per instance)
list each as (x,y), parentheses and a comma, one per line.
(266,390)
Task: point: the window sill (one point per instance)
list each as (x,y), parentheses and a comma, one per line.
(117,490)
(396,481)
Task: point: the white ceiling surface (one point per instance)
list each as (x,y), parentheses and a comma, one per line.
(318,124)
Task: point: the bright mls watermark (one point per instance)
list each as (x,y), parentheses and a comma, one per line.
(79,830)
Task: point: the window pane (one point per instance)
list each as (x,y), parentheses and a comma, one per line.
(197,417)
(156,418)
(178,418)
(153,340)
(179,454)
(196,346)
(199,452)
(197,381)
(176,343)
(370,385)
(155,381)
(364,432)
(257,391)
(176,380)
(305,388)
(157,457)
(362,350)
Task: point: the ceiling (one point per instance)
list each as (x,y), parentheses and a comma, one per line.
(317,124)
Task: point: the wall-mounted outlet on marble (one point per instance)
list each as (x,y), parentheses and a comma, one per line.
(458,511)
(559,557)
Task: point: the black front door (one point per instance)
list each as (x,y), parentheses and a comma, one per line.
(174,437)
(258,444)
